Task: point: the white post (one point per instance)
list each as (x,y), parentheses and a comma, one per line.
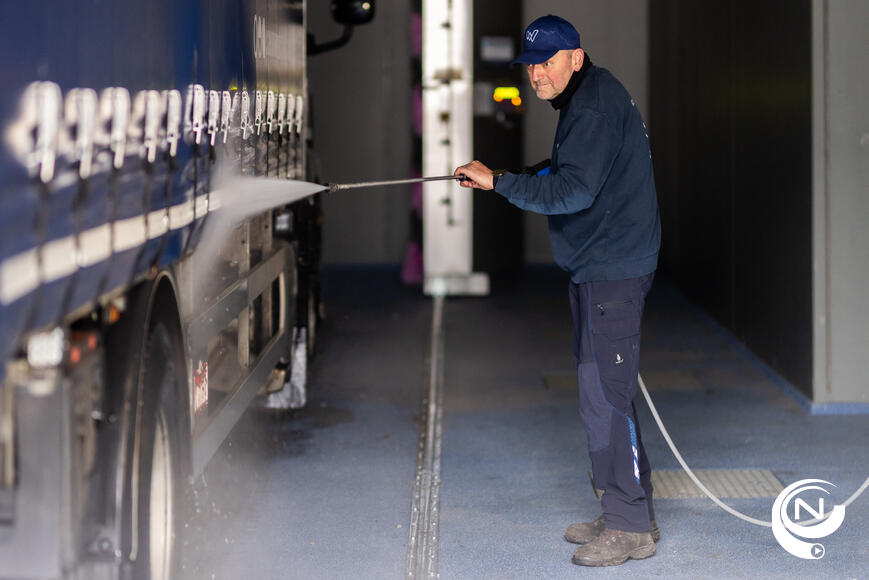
(447,68)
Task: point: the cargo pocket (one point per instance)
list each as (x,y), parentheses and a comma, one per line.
(595,410)
(616,329)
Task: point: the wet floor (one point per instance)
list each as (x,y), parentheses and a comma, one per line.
(326,492)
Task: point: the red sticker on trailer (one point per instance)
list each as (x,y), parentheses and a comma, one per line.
(200,387)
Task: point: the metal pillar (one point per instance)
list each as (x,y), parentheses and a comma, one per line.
(447,69)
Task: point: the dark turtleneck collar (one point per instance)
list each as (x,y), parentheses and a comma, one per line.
(563,98)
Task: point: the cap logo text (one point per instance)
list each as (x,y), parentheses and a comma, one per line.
(531,35)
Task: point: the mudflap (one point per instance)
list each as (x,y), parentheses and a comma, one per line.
(293,395)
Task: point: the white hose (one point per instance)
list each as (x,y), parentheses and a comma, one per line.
(703,488)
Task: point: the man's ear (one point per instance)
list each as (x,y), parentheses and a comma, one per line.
(578,58)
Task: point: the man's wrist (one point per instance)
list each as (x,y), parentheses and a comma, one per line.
(496,174)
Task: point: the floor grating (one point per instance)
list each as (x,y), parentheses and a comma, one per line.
(729,483)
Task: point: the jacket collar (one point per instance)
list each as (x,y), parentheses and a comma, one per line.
(576,78)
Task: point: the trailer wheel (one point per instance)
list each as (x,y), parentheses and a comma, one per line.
(156,467)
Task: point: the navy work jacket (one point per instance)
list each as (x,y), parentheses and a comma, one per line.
(600,191)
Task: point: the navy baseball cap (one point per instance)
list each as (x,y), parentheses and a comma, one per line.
(546,36)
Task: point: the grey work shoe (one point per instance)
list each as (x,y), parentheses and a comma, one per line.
(614,547)
(584,532)
(587,531)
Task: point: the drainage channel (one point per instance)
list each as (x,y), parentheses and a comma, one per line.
(422,545)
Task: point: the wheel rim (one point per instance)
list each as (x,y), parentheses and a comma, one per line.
(161,508)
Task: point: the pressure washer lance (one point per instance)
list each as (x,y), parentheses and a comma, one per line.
(343,186)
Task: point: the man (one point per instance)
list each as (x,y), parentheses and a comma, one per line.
(599,194)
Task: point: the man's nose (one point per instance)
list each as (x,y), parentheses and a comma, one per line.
(534,72)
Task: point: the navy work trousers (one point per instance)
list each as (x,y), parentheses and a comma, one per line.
(606,337)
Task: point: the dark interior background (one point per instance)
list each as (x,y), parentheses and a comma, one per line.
(731,136)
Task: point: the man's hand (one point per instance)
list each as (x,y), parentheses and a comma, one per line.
(477,174)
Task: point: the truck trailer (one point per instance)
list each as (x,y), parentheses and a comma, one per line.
(138,321)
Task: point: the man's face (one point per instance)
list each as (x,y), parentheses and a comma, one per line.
(549,78)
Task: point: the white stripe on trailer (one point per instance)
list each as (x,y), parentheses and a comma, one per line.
(181,215)
(94,245)
(129,233)
(19,275)
(158,223)
(58,259)
(201,205)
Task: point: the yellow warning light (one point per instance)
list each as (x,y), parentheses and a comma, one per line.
(516,101)
(505,94)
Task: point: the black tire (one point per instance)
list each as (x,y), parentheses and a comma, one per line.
(155,464)
(160,466)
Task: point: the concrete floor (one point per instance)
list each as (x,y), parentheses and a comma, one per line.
(326,493)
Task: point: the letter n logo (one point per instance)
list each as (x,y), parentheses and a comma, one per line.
(800,503)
